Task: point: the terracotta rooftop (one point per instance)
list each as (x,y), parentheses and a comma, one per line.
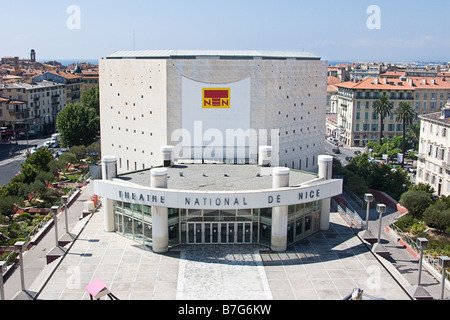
(377,84)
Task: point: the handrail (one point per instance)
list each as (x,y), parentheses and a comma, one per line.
(426,256)
(350,216)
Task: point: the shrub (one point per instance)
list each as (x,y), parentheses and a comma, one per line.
(416,202)
(418,227)
(438,216)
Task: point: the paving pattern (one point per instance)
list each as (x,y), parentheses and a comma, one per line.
(326,266)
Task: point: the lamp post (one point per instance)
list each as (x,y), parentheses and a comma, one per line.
(422,243)
(57,251)
(378,248)
(67,236)
(381,208)
(367,235)
(368,197)
(18,248)
(444,262)
(2,288)
(418,292)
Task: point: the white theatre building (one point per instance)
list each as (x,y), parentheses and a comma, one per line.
(213,106)
(206,147)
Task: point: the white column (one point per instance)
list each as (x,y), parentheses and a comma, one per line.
(280,214)
(160,222)
(325,172)
(109,172)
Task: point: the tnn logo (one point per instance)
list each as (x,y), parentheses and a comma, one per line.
(216,98)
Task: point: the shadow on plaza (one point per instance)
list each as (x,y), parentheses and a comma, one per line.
(319,247)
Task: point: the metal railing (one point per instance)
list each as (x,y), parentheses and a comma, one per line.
(349,215)
(413,245)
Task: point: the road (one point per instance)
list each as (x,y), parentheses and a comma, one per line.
(345,152)
(10,164)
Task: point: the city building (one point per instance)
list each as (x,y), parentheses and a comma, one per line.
(73,83)
(363,71)
(358,124)
(357,121)
(30,107)
(251,116)
(90,79)
(213,106)
(433,165)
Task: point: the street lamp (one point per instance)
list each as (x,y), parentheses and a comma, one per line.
(2,288)
(367,235)
(381,208)
(444,262)
(368,197)
(67,237)
(57,251)
(422,243)
(418,292)
(18,248)
(378,248)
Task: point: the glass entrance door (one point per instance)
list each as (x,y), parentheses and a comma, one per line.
(215,233)
(195,232)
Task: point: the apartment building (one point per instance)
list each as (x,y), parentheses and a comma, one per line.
(30,107)
(73,83)
(358,124)
(357,121)
(433,165)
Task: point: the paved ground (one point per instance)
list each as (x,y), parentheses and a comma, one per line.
(327,266)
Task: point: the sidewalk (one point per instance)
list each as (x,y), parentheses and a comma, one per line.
(400,258)
(326,266)
(35,259)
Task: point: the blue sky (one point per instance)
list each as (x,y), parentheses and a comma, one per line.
(336,30)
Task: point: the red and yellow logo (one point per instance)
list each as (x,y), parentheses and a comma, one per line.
(216,98)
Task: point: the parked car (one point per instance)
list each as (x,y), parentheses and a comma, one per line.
(357,152)
(336,151)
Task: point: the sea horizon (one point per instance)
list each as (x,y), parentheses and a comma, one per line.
(68,62)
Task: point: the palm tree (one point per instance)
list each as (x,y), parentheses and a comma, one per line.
(413,135)
(383,108)
(405,113)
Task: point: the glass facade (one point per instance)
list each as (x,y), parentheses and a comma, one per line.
(196,226)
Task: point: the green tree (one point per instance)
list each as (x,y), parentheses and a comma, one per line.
(383,108)
(416,202)
(78,125)
(91,99)
(10,205)
(79,151)
(40,159)
(438,215)
(405,113)
(413,135)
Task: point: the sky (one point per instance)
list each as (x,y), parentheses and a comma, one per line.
(336,30)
